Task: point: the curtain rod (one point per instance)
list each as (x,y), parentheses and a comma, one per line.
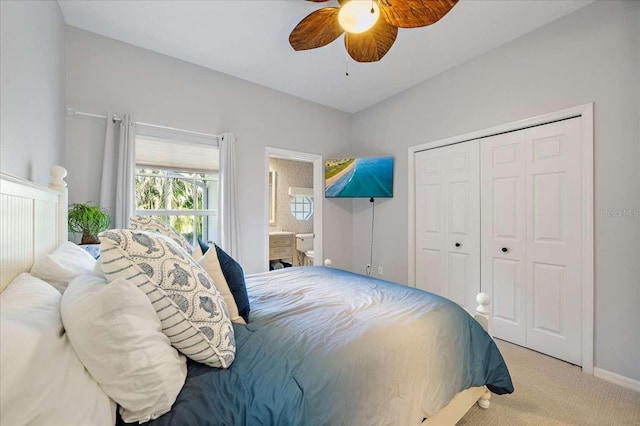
(72,112)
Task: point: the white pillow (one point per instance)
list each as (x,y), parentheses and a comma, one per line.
(117,335)
(191,309)
(211,264)
(98,272)
(42,381)
(62,265)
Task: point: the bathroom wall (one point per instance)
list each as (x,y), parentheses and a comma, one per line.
(291,173)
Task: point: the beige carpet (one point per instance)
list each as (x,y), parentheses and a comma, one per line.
(552,392)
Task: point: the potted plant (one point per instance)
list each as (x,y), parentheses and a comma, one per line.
(89,220)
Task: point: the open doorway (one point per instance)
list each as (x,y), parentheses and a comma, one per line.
(293,208)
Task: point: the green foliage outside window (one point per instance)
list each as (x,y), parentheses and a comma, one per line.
(158,189)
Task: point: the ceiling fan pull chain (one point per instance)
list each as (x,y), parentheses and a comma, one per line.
(372,11)
(346,56)
(346,65)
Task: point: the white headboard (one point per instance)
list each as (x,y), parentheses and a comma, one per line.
(33,221)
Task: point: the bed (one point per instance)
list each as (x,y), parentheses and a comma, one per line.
(323,346)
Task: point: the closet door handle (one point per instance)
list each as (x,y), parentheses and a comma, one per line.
(458,244)
(504,249)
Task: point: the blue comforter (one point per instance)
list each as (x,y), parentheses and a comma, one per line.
(325,346)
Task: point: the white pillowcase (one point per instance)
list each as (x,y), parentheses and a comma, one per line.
(62,265)
(211,264)
(42,380)
(117,335)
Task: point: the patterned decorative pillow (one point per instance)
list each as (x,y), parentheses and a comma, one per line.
(192,311)
(149,224)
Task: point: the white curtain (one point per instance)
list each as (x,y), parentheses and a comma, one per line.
(228,198)
(117,190)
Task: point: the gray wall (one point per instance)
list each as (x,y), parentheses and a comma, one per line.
(32,88)
(104,74)
(591,55)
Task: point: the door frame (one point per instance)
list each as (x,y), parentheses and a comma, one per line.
(318,198)
(586,113)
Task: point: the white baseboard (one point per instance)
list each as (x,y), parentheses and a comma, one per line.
(617,379)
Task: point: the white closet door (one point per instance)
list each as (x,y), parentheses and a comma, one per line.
(531,236)
(503,237)
(554,240)
(447,222)
(430,259)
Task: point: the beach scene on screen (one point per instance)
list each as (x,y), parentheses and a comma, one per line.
(359,177)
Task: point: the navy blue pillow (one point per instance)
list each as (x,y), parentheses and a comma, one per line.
(203,246)
(234,275)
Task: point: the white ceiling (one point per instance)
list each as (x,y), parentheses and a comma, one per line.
(249,39)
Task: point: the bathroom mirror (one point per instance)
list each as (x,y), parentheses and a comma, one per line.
(272,197)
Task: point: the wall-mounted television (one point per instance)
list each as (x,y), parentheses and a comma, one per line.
(367,177)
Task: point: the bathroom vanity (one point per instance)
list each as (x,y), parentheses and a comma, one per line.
(282,246)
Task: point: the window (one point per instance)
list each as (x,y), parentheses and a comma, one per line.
(301,207)
(177,182)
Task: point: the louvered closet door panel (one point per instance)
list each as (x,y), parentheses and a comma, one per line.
(447,222)
(503,247)
(554,240)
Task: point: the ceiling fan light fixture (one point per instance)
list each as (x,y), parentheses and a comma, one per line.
(357,16)
(369,36)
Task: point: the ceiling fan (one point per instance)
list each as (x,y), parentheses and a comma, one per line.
(371,26)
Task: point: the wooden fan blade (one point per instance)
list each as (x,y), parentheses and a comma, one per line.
(414,13)
(373,44)
(324,1)
(318,29)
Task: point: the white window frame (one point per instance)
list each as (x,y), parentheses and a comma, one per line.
(165,133)
(296,206)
